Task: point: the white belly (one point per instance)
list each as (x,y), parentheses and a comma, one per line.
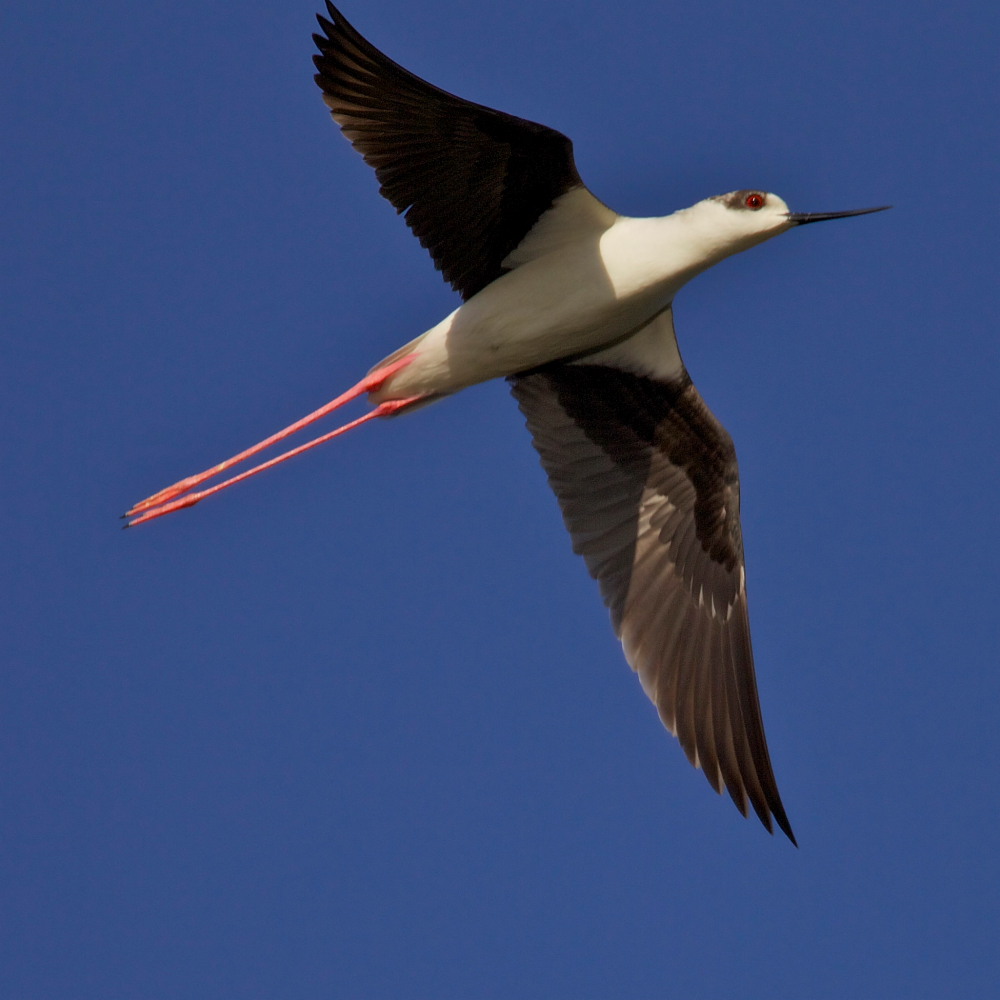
(558,306)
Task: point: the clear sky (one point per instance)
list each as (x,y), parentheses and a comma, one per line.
(360,728)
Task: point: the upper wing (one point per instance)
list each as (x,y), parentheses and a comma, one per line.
(647,481)
(471,181)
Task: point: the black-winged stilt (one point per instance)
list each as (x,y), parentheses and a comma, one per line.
(572,303)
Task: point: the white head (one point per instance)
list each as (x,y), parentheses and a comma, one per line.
(738,220)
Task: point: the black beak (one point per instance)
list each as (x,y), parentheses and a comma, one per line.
(801,218)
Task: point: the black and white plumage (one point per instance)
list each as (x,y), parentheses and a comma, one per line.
(572,303)
(645,475)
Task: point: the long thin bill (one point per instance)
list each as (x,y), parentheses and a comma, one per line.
(801,218)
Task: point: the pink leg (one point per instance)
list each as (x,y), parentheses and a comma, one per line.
(178,496)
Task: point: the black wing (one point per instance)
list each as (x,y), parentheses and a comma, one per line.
(648,485)
(471,181)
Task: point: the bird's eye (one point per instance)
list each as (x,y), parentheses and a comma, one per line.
(754,200)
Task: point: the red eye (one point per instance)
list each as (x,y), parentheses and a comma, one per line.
(754,200)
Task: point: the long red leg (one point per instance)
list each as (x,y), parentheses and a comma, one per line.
(190,499)
(179,495)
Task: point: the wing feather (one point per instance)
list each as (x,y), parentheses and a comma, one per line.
(470,181)
(648,484)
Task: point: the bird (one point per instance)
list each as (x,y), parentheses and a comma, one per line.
(572,303)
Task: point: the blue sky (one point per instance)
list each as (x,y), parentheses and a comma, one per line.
(360,728)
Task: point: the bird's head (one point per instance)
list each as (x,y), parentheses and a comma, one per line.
(741,219)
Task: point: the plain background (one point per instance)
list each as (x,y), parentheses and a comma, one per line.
(360,728)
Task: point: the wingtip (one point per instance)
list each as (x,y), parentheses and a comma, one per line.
(333,21)
(786,828)
(787,831)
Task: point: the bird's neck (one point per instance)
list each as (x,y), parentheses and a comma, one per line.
(702,235)
(660,255)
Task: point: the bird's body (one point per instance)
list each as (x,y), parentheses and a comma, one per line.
(583,279)
(572,303)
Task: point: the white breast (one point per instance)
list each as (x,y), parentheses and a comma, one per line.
(584,279)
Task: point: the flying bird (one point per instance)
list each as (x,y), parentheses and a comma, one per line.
(572,304)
